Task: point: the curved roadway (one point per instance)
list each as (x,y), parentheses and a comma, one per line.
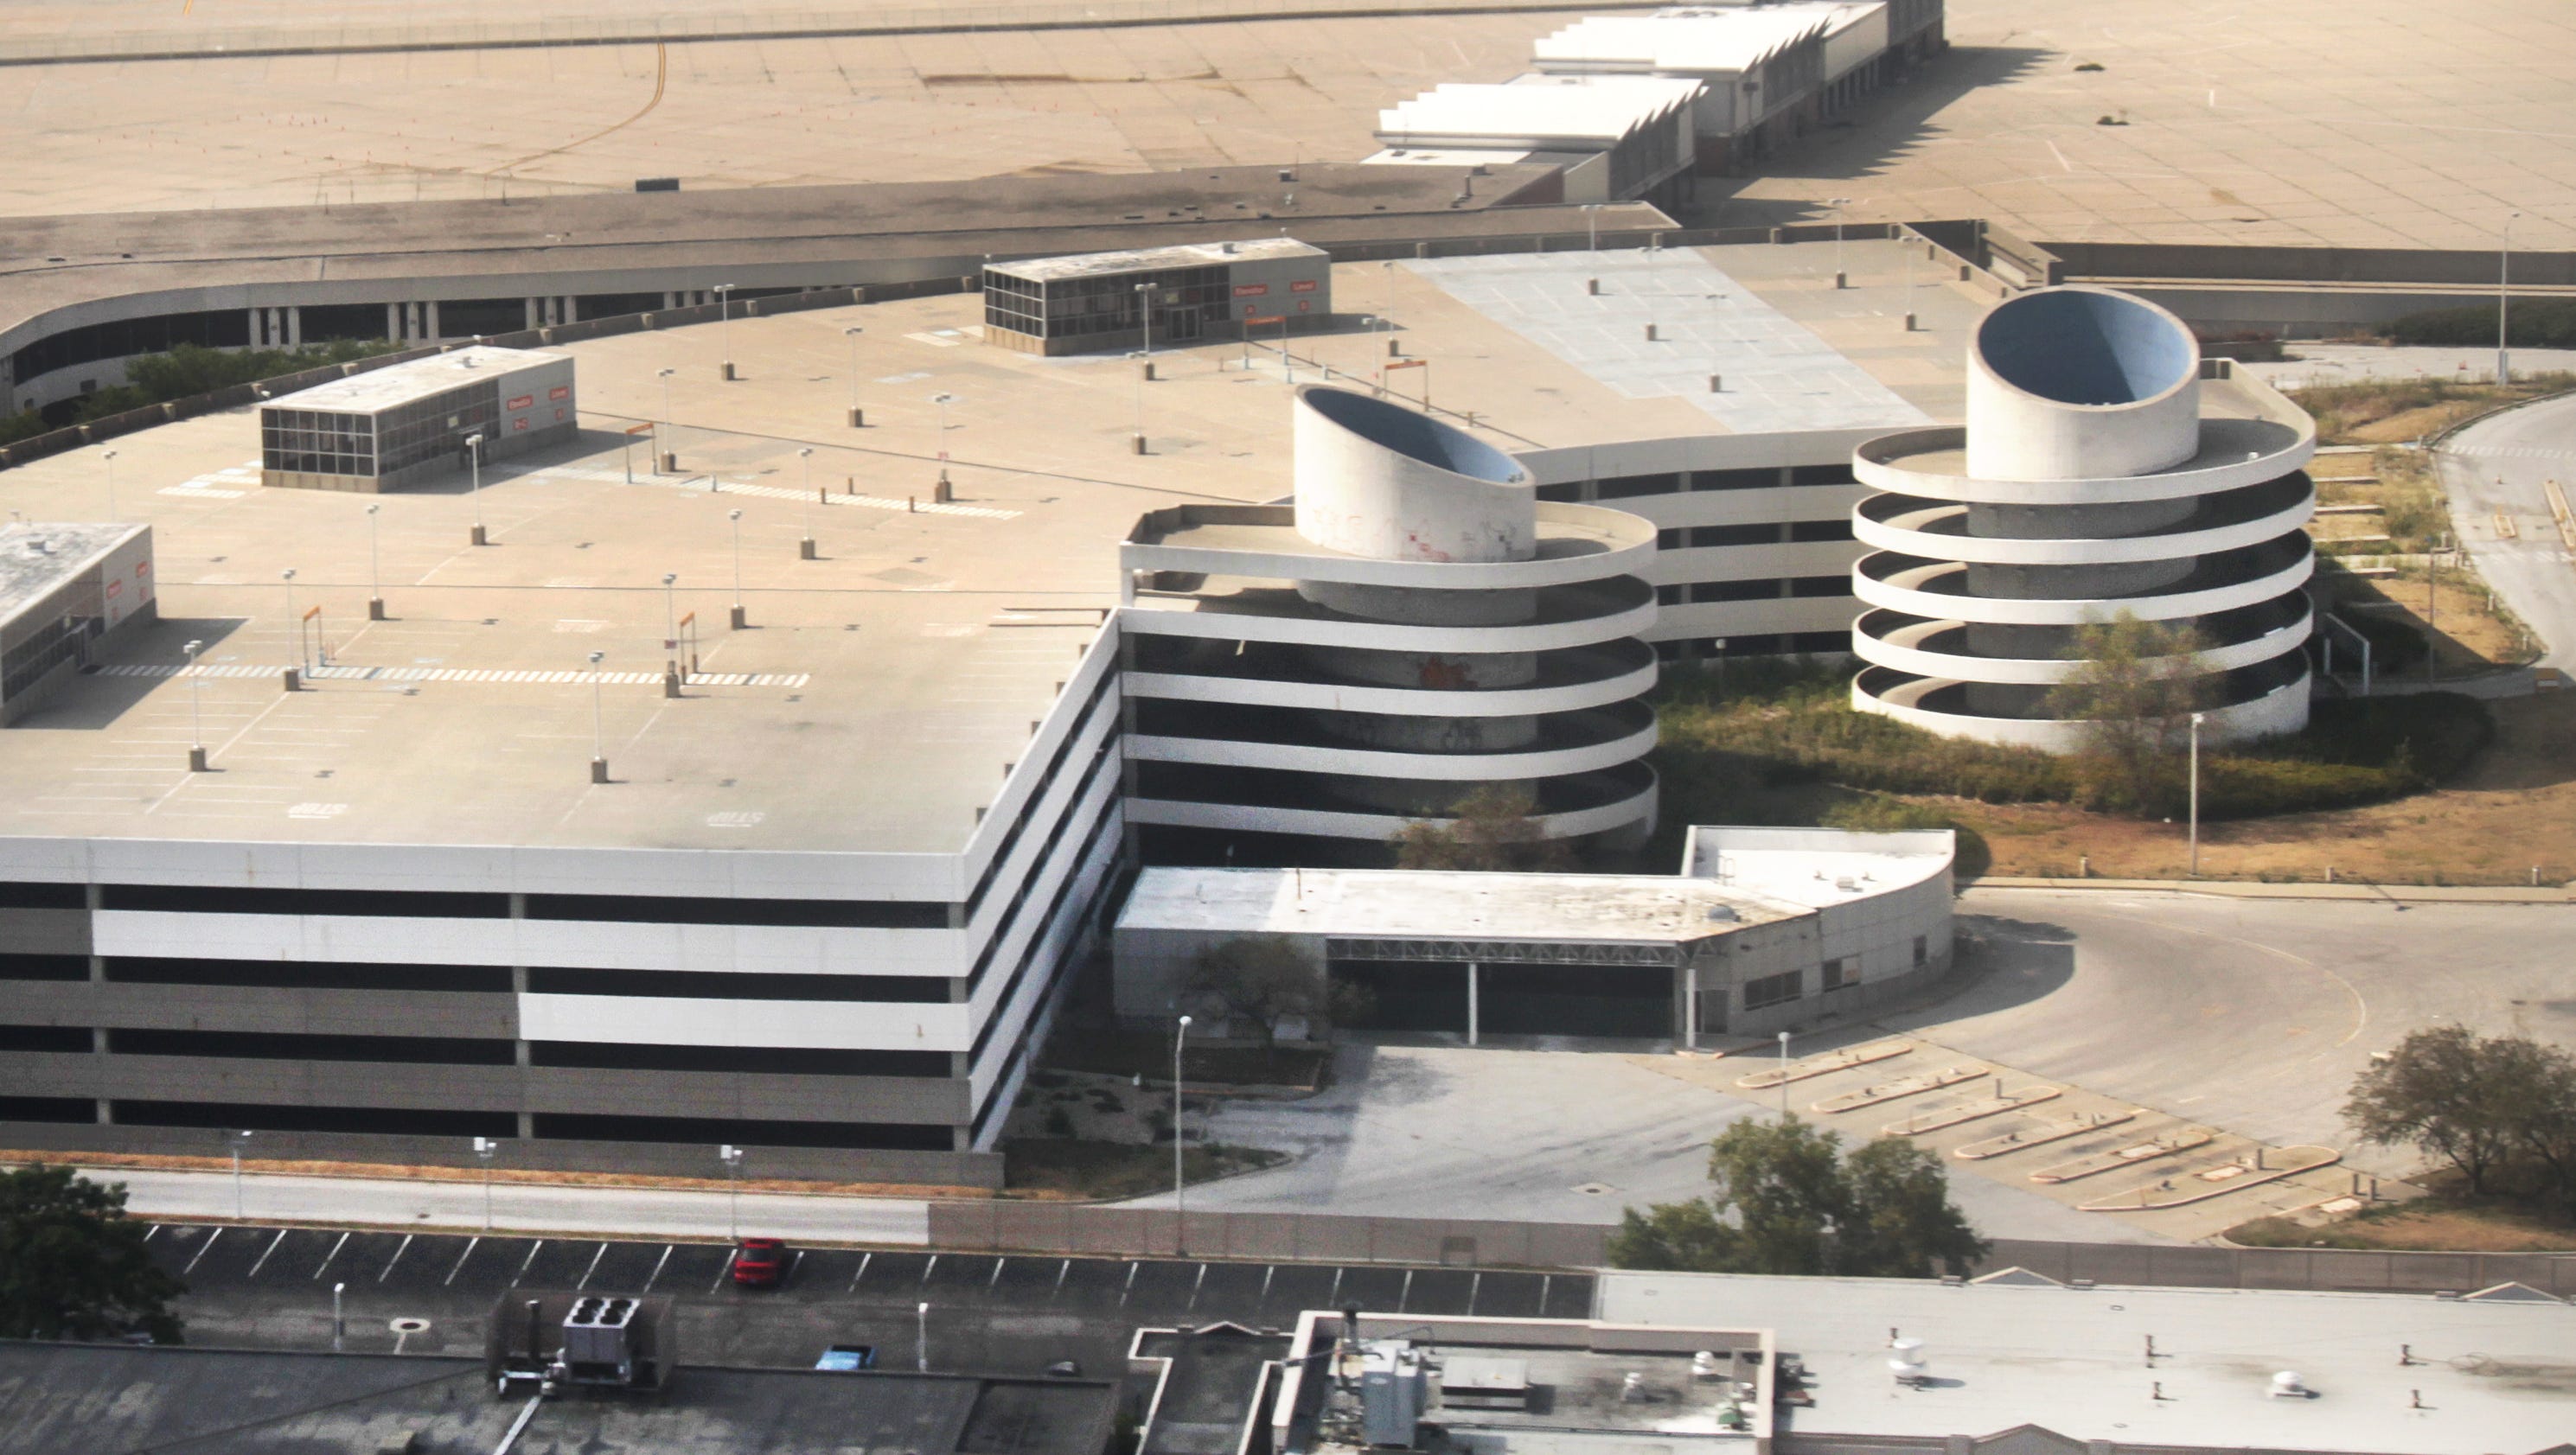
(2499,465)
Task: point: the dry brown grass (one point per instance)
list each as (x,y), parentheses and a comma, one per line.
(2436,1230)
(142,1161)
(2515,808)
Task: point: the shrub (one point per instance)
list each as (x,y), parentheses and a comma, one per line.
(2535,323)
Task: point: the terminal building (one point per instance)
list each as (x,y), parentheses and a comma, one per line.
(394,427)
(1764,929)
(66,592)
(1093,303)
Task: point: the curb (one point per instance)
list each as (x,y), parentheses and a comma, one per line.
(2432,444)
(2250,889)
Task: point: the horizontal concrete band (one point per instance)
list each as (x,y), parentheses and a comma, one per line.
(2072,551)
(1371,763)
(2235,453)
(2048,671)
(1397,701)
(2280,710)
(545,1089)
(2076,612)
(1323,823)
(1619,617)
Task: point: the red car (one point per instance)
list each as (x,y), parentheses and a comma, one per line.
(760,1263)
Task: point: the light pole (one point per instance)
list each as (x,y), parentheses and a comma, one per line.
(375,569)
(921,1338)
(1592,226)
(732,1158)
(724,327)
(1841,280)
(805,548)
(110,458)
(670,634)
(288,577)
(736,517)
(2504,302)
(1784,1076)
(1140,401)
(474,455)
(858,417)
(1909,286)
(196,713)
(1180,1209)
(240,1140)
(2196,719)
(1145,314)
(943,400)
(484,1147)
(339,1325)
(662,446)
(598,723)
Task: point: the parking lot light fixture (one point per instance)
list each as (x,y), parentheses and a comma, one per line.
(1784,1076)
(1180,1210)
(731,1156)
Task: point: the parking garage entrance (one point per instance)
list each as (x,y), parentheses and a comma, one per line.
(1516,988)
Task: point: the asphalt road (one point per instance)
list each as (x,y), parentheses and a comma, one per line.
(2498,464)
(268,1287)
(2253,1016)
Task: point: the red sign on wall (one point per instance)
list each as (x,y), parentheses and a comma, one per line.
(1308,286)
(560,391)
(559,414)
(522,402)
(1251,290)
(518,424)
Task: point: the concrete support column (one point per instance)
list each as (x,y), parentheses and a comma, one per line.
(258,325)
(568,309)
(1690,1006)
(1475,996)
(670,300)
(294,325)
(534,310)
(394,322)
(431,331)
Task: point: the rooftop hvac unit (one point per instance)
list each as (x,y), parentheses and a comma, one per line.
(598,1340)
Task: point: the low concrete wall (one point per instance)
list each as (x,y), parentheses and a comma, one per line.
(1037,1227)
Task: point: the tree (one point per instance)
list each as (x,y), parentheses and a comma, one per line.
(2474,1101)
(2134,689)
(1787,1200)
(1492,830)
(72,1266)
(1259,978)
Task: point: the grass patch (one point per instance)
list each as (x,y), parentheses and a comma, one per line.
(1061,1167)
(2391,411)
(2426,1225)
(1785,737)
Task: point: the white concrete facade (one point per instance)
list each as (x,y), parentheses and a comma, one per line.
(1416,625)
(2094,477)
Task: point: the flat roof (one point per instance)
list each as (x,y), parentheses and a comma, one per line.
(1818,868)
(878,693)
(1698,42)
(57,1397)
(374,390)
(1147,260)
(1556,108)
(38,556)
(2495,1376)
(1390,904)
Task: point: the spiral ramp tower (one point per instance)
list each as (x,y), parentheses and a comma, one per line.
(1416,625)
(2094,476)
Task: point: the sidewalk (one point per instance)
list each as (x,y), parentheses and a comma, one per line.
(272,1200)
(2248,889)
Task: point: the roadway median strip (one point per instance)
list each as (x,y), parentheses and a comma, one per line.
(1996,1105)
(1824,1065)
(2167,1144)
(2218,1181)
(1899,1090)
(2041,1134)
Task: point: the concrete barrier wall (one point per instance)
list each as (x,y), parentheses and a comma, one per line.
(2398,266)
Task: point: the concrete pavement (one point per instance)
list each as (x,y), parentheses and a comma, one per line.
(2497,467)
